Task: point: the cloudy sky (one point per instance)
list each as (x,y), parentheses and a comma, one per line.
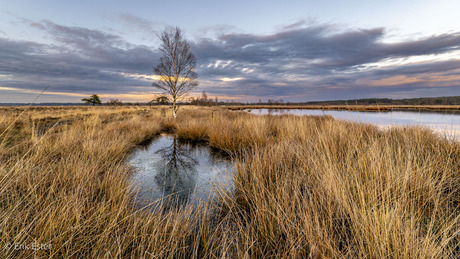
(246,50)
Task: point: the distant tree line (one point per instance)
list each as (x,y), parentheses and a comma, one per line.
(449,100)
(114,102)
(204,100)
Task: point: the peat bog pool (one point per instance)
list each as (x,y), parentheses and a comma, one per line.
(444,123)
(175,173)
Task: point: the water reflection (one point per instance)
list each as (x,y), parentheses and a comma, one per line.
(445,123)
(176,173)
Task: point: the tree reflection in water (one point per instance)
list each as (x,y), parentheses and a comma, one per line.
(174,173)
(177,173)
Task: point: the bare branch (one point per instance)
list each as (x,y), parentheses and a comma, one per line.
(176,75)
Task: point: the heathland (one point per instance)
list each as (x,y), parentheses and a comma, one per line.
(304,186)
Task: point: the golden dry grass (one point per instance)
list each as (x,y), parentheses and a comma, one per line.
(304,187)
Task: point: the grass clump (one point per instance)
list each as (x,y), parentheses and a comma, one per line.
(305,186)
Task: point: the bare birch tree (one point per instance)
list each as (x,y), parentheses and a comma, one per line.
(175,74)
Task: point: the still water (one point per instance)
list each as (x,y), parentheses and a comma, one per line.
(443,123)
(175,173)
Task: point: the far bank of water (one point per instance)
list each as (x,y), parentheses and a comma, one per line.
(443,123)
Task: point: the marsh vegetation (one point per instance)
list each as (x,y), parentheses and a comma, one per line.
(304,186)
(445,123)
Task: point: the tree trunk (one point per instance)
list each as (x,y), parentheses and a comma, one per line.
(174,108)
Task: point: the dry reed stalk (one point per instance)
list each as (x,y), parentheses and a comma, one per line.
(304,187)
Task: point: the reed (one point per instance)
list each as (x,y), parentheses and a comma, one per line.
(305,186)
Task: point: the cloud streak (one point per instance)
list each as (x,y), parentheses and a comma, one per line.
(297,63)
(301,61)
(80,61)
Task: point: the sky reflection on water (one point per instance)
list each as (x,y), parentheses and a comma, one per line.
(440,122)
(177,172)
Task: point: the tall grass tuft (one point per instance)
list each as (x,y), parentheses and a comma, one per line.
(304,187)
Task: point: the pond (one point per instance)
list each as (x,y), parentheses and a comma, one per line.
(175,173)
(444,123)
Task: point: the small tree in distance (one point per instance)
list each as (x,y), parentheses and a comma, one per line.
(93,99)
(115,102)
(176,75)
(162,100)
(204,100)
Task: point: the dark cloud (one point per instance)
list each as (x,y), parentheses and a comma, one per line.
(79,36)
(103,49)
(320,56)
(299,62)
(432,45)
(445,67)
(319,47)
(80,61)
